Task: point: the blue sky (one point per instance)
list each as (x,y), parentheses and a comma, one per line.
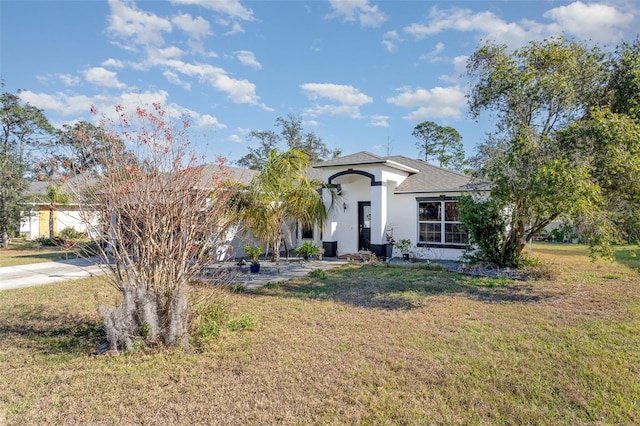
(361,74)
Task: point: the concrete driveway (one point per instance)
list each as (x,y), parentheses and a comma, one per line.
(48,272)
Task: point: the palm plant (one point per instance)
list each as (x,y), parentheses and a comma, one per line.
(282,195)
(55,196)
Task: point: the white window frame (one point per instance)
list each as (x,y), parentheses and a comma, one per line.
(462,237)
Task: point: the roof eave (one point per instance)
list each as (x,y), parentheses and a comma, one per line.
(440,191)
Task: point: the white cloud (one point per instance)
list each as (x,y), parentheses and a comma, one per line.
(113,63)
(232,8)
(144,99)
(459,70)
(236,28)
(485,23)
(65,105)
(103,77)
(596,21)
(239,91)
(344,94)
(158,56)
(349,99)
(248,58)
(59,103)
(236,139)
(334,110)
(599,22)
(207,120)
(174,78)
(196,28)
(70,105)
(360,10)
(434,55)
(389,40)
(136,26)
(439,102)
(379,121)
(68,79)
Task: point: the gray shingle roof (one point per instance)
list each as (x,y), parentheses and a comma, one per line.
(362,157)
(231,173)
(39,188)
(423,177)
(432,178)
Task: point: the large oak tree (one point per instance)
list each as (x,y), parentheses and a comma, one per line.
(535,92)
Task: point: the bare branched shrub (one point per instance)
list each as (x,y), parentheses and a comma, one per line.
(162,219)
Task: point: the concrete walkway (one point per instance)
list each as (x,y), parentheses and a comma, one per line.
(48,272)
(273,273)
(64,270)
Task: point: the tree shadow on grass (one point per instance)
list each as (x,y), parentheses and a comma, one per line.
(35,328)
(628,256)
(397,287)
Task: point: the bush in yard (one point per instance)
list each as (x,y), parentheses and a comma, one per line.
(487,226)
(163,212)
(70,233)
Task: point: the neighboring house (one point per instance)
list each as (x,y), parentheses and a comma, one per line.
(35,223)
(395,197)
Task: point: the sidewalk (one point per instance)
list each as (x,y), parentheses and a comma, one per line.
(48,272)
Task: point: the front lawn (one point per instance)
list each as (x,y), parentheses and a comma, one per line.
(24,252)
(367,344)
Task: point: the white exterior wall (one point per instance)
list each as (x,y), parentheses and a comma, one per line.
(30,225)
(403,218)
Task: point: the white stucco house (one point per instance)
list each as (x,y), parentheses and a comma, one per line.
(379,199)
(394,197)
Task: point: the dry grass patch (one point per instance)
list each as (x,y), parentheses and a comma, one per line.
(369,344)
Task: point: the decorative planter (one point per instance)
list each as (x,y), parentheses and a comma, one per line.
(388,251)
(405,256)
(254,268)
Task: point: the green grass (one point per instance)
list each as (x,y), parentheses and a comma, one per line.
(24,252)
(21,252)
(368,344)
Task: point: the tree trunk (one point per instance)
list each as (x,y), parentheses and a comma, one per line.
(5,238)
(177,320)
(276,248)
(51,222)
(142,318)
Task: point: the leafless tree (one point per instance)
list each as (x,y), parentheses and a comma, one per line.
(159,217)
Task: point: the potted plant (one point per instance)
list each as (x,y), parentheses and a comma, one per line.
(404,245)
(308,249)
(388,248)
(254,253)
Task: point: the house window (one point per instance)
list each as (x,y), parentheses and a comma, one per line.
(438,223)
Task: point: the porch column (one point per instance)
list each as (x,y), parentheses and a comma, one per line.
(378,219)
(329,237)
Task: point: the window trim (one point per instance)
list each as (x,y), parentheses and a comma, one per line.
(442,244)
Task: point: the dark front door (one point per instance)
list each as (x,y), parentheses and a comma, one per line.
(364,225)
